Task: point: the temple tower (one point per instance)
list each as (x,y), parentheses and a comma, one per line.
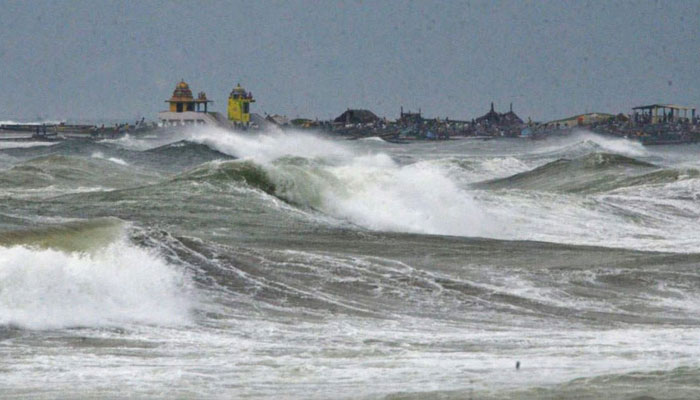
(239,105)
(184,109)
(182,99)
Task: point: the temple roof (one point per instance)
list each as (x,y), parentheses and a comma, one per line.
(182,92)
(239,93)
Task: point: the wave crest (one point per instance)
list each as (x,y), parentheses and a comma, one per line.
(592,172)
(114,285)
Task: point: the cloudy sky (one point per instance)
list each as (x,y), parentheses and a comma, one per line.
(88,60)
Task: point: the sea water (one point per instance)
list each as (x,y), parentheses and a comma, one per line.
(213,264)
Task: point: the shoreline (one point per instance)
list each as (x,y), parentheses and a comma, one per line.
(28,132)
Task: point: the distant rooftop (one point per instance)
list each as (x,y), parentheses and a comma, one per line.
(670,106)
(356,117)
(591,115)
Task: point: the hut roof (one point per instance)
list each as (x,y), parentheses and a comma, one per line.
(357,117)
(493,117)
(511,118)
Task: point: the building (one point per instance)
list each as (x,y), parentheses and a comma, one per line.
(185,110)
(500,119)
(356,117)
(580,120)
(661,113)
(511,118)
(239,106)
(408,118)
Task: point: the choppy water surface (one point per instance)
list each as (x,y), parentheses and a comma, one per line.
(210,264)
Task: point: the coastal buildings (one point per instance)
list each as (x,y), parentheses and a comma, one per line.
(406,118)
(494,123)
(651,124)
(186,110)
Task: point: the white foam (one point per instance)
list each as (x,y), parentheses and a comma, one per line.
(100,155)
(622,146)
(117,161)
(421,198)
(616,145)
(480,168)
(373,139)
(15,145)
(12,122)
(115,285)
(269,145)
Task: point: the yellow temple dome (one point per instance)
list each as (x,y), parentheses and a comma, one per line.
(239,92)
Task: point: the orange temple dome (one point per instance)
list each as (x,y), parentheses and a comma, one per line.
(182,92)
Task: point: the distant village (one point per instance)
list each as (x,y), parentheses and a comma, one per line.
(650,124)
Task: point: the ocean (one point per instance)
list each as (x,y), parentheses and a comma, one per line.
(283,265)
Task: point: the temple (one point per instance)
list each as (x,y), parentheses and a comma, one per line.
(239,106)
(185,110)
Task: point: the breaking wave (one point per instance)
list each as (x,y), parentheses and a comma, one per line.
(51,280)
(245,172)
(583,142)
(369,190)
(557,201)
(269,146)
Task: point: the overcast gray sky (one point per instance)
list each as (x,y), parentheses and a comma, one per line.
(99,59)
